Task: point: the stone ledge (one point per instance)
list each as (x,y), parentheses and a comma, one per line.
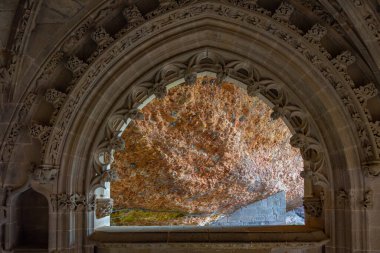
(263,237)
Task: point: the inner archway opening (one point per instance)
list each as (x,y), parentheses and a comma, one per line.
(207,154)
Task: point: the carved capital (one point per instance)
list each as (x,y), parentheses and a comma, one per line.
(313,206)
(103,207)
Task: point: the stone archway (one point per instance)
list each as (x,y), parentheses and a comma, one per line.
(135,64)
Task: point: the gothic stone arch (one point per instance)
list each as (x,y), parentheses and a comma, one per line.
(133,62)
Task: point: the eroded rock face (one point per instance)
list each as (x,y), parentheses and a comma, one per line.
(206,150)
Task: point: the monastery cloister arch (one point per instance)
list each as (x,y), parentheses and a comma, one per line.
(307,88)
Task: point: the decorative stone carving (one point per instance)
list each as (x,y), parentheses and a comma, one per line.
(191,78)
(56,98)
(315,35)
(133,16)
(343,199)
(251,5)
(165,5)
(117,143)
(368,199)
(52,65)
(283,12)
(41,133)
(313,206)
(68,202)
(375,127)
(5,86)
(343,61)
(44,173)
(101,37)
(103,207)
(76,66)
(363,94)
(159,90)
(372,169)
(134,114)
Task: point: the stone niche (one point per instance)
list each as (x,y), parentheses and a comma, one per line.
(31,221)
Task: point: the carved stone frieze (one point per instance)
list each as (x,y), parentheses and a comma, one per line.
(250,5)
(103,207)
(71,202)
(313,206)
(56,98)
(44,174)
(17,43)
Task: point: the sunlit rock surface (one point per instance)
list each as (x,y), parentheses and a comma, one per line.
(201,152)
